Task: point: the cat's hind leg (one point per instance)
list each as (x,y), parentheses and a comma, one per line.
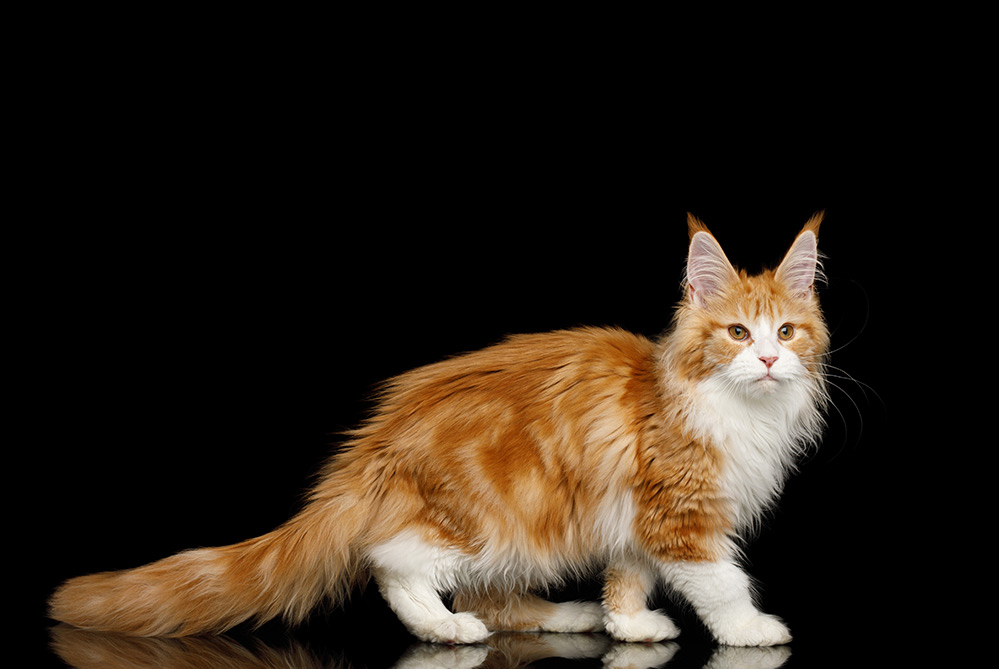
(502,610)
(628,583)
(411,573)
(419,607)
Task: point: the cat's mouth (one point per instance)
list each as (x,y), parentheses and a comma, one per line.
(767,381)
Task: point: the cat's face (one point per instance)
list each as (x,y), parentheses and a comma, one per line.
(757,335)
(758,338)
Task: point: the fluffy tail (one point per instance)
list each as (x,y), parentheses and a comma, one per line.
(286,572)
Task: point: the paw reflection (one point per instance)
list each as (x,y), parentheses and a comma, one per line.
(640,655)
(505,651)
(731,657)
(452,657)
(97,650)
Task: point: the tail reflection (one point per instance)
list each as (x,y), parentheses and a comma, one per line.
(81,649)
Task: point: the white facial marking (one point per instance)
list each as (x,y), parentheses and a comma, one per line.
(765,361)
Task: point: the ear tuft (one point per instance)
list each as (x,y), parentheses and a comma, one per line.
(694,225)
(813,223)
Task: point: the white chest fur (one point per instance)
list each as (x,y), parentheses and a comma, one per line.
(759,438)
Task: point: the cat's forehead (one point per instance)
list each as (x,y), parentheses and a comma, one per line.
(760,297)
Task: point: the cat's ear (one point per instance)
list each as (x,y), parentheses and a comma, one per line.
(708,269)
(800,267)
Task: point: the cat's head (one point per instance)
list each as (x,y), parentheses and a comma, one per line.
(759,333)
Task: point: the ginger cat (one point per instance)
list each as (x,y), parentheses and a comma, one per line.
(497,473)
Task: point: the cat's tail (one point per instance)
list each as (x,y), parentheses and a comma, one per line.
(283,573)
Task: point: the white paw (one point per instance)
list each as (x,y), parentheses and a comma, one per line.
(456,628)
(761,630)
(632,656)
(576,617)
(643,626)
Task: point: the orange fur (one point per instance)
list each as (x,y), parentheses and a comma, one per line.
(518,456)
(502,610)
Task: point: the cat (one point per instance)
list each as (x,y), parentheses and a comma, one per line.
(496,474)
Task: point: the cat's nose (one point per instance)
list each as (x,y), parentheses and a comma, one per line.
(769,360)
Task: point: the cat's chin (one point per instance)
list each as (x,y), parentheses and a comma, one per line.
(766,385)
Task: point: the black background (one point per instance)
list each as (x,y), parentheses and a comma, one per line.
(225,254)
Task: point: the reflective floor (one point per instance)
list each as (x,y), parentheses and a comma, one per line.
(89,650)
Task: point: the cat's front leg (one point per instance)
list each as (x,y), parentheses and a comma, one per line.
(627,585)
(721,594)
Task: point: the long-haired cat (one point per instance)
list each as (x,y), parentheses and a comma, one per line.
(498,473)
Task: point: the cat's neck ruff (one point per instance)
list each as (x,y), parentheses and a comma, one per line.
(759,438)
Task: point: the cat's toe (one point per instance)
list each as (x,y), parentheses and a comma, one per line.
(762,630)
(643,626)
(458,628)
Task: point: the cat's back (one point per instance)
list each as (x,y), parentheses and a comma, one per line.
(546,383)
(530,366)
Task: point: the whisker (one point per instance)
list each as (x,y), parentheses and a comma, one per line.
(863,326)
(842,417)
(844,375)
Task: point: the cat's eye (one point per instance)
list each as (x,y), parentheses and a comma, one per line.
(738,333)
(786,331)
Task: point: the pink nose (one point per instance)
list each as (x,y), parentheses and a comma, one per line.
(769,360)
